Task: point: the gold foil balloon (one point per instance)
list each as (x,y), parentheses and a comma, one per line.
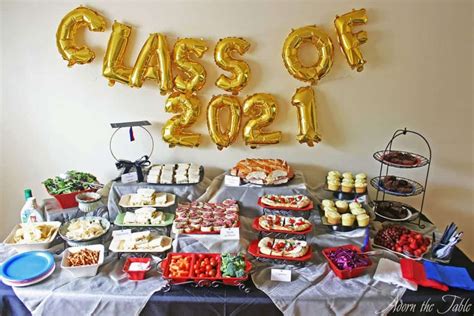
(349,41)
(317,37)
(305,103)
(66,35)
(217,104)
(187,107)
(240,69)
(153,62)
(193,75)
(113,68)
(262,109)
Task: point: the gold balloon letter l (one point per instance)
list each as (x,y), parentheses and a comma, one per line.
(349,41)
(66,35)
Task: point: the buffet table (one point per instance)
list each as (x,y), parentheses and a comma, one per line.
(314,288)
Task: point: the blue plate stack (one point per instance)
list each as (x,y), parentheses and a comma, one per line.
(27,268)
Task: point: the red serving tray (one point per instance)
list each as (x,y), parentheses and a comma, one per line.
(307,208)
(199,232)
(136,275)
(255,251)
(345,274)
(192,277)
(257,227)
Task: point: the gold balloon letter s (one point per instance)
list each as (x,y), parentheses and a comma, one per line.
(240,69)
(314,35)
(304,101)
(349,41)
(194,74)
(66,34)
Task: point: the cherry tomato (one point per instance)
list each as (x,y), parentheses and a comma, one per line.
(208,267)
(200,256)
(202,275)
(213,262)
(417,252)
(212,273)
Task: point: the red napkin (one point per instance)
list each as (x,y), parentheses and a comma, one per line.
(415,271)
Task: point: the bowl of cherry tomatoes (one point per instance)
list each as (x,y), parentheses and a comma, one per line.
(403,241)
(205,266)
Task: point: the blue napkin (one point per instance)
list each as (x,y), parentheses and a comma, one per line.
(457,277)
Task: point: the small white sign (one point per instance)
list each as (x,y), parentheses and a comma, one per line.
(122,232)
(231,181)
(129,177)
(281,275)
(232,233)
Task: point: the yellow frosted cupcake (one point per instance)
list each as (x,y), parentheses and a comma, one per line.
(348,219)
(360,187)
(325,203)
(358,211)
(347,187)
(361,176)
(363,220)
(333,185)
(328,209)
(347,175)
(334,218)
(342,206)
(334,173)
(354,205)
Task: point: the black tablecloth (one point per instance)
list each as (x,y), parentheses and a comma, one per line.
(186,300)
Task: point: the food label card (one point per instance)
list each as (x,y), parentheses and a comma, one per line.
(122,232)
(232,233)
(281,275)
(129,177)
(231,181)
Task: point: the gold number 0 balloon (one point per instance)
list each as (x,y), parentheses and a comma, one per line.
(349,41)
(240,69)
(194,74)
(262,108)
(187,107)
(314,35)
(66,34)
(305,103)
(228,136)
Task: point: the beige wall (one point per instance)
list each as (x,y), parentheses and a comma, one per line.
(419,75)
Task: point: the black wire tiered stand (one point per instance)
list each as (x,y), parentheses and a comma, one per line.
(418,188)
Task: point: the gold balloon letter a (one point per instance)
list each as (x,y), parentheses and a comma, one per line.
(349,41)
(66,35)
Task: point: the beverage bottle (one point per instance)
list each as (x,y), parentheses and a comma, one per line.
(30,212)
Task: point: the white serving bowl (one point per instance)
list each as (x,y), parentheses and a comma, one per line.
(83,271)
(22,247)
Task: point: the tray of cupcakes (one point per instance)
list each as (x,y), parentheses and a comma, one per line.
(343,216)
(346,183)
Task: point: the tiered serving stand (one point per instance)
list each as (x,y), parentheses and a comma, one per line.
(417,187)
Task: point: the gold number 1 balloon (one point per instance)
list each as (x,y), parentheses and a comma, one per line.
(349,41)
(317,37)
(240,69)
(194,74)
(262,108)
(305,103)
(66,35)
(217,104)
(187,107)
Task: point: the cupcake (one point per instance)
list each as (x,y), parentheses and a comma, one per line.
(361,176)
(332,178)
(329,209)
(347,175)
(363,220)
(347,187)
(360,187)
(333,218)
(335,174)
(342,206)
(333,185)
(354,204)
(325,203)
(348,219)
(358,211)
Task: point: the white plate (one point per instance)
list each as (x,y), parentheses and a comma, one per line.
(410,214)
(83,271)
(125,201)
(114,245)
(29,283)
(22,247)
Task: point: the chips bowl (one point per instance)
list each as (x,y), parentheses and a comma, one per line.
(31,245)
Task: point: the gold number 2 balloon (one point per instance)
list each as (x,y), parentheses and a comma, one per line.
(194,74)
(262,109)
(187,107)
(317,37)
(223,138)
(113,68)
(349,41)
(153,62)
(240,69)
(305,104)
(66,35)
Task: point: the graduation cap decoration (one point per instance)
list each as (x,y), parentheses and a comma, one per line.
(126,165)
